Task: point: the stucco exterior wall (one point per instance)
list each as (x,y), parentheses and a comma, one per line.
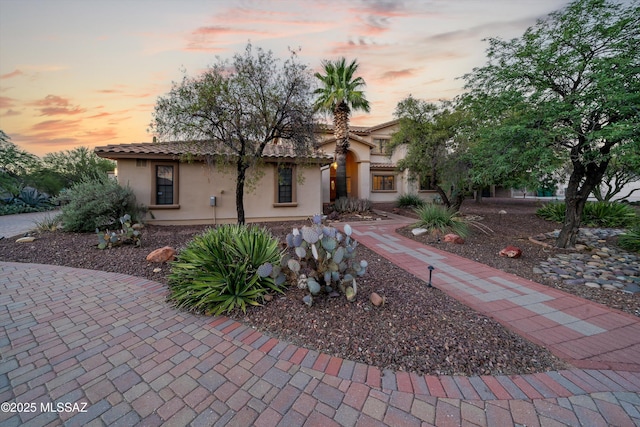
(197,182)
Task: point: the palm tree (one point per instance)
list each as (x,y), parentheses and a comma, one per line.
(340,93)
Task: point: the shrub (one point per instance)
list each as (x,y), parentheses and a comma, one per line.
(552,211)
(594,214)
(608,214)
(225,268)
(440,220)
(352,204)
(410,200)
(324,259)
(48,223)
(630,240)
(97,203)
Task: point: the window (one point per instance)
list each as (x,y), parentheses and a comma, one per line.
(384,182)
(164,185)
(381,145)
(285,188)
(285,184)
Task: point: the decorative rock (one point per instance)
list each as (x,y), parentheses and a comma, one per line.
(580,247)
(137,226)
(419,231)
(453,238)
(511,252)
(164,254)
(376,299)
(157,270)
(268,298)
(27,239)
(592,285)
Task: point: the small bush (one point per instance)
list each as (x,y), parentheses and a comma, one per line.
(48,223)
(352,204)
(225,268)
(410,200)
(97,203)
(594,214)
(439,219)
(554,211)
(608,214)
(631,239)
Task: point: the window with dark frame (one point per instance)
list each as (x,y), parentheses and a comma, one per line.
(380,145)
(285,184)
(164,184)
(384,183)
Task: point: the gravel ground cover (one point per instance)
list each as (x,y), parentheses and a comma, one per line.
(419,329)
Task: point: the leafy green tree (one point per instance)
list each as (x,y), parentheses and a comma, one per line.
(431,134)
(566,92)
(236,108)
(339,93)
(15,165)
(62,169)
(623,169)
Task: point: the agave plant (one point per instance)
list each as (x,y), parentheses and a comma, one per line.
(228,267)
(440,220)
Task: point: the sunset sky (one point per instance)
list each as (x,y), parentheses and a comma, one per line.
(88,72)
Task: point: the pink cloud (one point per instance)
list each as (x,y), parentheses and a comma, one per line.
(6,102)
(99,116)
(56,125)
(53,105)
(14,73)
(207,39)
(10,113)
(395,74)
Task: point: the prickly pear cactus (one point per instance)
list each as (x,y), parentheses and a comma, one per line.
(126,235)
(323,260)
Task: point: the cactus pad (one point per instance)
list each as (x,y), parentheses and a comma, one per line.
(265,269)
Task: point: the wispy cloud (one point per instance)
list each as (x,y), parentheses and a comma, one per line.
(53,105)
(14,73)
(10,113)
(396,74)
(6,102)
(210,38)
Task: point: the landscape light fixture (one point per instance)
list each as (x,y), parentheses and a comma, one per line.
(431,268)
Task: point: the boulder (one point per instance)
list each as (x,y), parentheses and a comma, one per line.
(453,238)
(27,239)
(376,299)
(419,231)
(511,252)
(164,254)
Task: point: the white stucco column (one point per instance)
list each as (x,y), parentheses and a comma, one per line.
(364,180)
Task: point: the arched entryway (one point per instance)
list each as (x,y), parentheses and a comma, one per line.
(352,177)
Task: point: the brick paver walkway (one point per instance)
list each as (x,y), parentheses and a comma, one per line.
(584,333)
(109,347)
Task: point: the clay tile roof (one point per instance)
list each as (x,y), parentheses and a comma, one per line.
(175,150)
(382,166)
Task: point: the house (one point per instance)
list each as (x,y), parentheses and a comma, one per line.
(370,173)
(179,191)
